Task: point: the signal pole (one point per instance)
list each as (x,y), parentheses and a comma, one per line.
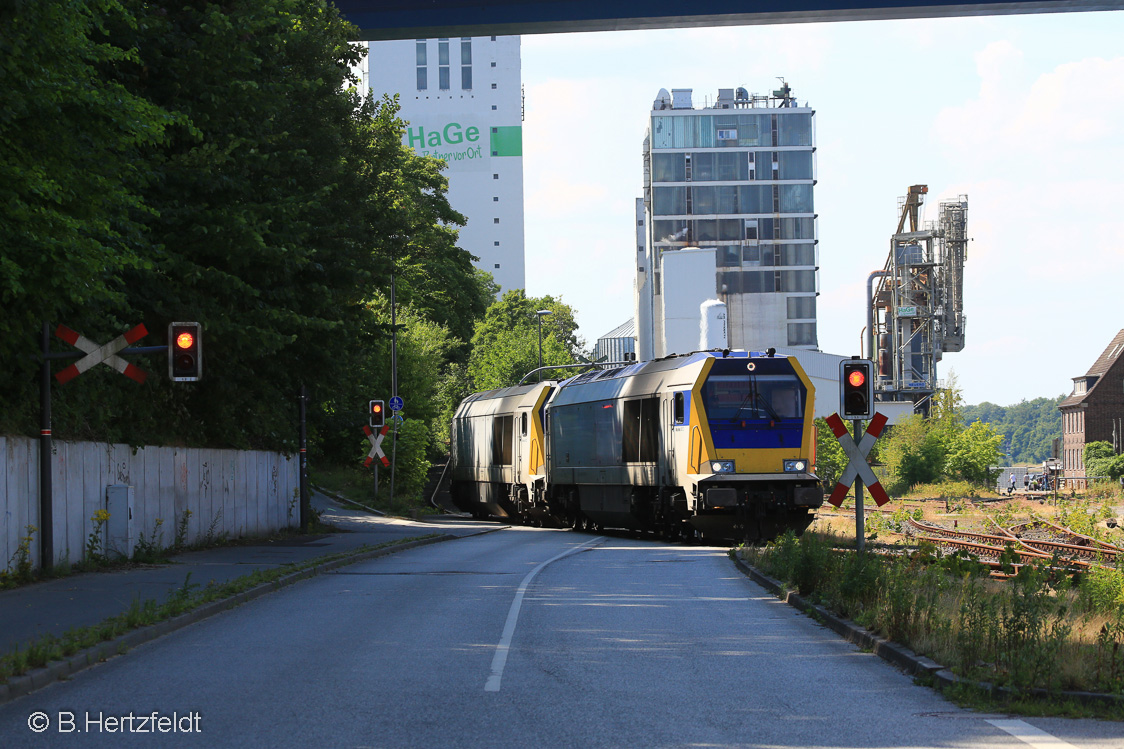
(393,379)
(856,396)
(860,517)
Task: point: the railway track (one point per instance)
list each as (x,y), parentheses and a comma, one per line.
(1028,547)
(988,548)
(1031,531)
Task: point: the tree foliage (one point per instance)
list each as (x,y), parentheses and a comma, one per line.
(830,458)
(213,162)
(971,452)
(505,345)
(1101,460)
(921,450)
(1029,427)
(72,175)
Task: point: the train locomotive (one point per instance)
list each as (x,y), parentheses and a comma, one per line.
(717,445)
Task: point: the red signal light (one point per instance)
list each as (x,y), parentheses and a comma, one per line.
(376,408)
(185,340)
(856,378)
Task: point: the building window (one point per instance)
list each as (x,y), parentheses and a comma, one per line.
(495,221)
(443,64)
(493,107)
(495,199)
(495,176)
(423,77)
(493,85)
(497,265)
(493,65)
(466,63)
(801,307)
(801,334)
(496,243)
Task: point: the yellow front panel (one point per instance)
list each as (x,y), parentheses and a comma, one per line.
(759,460)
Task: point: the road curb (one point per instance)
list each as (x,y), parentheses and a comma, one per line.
(18,686)
(901,656)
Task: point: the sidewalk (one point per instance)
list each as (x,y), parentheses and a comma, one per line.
(85,599)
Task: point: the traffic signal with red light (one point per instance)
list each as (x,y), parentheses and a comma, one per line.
(377,412)
(856,387)
(185,351)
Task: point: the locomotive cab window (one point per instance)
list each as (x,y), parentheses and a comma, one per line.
(523,423)
(732,393)
(678,409)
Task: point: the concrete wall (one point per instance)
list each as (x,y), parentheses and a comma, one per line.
(238,492)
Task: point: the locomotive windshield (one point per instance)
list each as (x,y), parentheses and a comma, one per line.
(737,397)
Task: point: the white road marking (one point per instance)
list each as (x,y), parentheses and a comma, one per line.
(1028,734)
(499,660)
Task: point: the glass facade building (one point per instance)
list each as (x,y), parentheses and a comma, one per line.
(738,176)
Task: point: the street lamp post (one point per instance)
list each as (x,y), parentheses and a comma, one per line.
(539,315)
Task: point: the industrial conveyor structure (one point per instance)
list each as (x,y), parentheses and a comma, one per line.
(915,308)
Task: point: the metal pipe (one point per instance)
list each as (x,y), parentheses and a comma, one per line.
(870,310)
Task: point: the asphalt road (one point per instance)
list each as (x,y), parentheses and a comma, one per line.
(518,638)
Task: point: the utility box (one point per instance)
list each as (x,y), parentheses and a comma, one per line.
(119,538)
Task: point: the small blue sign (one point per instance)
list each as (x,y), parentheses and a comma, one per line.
(397,404)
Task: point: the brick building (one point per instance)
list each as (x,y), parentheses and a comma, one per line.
(1094,411)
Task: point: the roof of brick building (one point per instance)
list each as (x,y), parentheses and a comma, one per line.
(1104,362)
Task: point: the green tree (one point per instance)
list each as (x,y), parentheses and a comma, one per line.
(1030,427)
(71,179)
(971,452)
(505,345)
(213,161)
(511,355)
(913,454)
(1101,460)
(830,458)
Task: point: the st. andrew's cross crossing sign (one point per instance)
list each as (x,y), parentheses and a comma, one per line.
(856,455)
(376,445)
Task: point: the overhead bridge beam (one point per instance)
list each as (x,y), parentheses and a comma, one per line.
(414,19)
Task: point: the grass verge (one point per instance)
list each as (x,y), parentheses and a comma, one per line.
(1037,631)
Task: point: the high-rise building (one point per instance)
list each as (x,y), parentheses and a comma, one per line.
(734,176)
(463,101)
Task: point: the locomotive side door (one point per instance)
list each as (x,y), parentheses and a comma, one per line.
(667,454)
(521,452)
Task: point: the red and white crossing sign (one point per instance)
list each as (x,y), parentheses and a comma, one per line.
(376,445)
(856,454)
(96,354)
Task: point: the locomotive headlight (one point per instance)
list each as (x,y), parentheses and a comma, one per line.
(722,466)
(795,466)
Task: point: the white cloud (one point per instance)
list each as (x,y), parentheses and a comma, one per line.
(1074,106)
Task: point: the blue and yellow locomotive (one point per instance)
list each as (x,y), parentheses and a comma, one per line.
(713,444)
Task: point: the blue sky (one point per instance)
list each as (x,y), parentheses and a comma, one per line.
(1023,114)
